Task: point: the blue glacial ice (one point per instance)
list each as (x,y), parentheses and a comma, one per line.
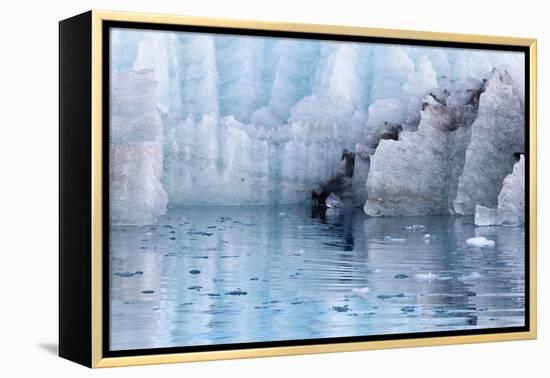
(201,119)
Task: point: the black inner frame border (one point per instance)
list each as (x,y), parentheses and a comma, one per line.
(107,25)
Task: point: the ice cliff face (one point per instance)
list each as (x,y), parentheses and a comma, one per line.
(136,150)
(497,134)
(201,119)
(416,172)
(511,201)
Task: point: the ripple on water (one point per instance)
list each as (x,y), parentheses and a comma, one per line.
(239,274)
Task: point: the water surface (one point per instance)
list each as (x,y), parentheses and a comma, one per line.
(221,275)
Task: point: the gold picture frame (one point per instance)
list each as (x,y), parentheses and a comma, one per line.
(93,264)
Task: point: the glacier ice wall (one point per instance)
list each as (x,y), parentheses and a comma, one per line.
(242,120)
(498,133)
(136,150)
(417,173)
(511,201)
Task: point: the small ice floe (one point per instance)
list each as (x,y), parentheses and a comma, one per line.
(282,214)
(377,271)
(414,227)
(333,201)
(360,290)
(426,276)
(395,240)
(480,242)
(427,238)
(470,277)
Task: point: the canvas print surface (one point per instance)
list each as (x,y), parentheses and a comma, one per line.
(270,189)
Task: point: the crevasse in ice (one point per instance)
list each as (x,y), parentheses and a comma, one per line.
(202,119)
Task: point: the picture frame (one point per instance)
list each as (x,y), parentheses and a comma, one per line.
(86,212)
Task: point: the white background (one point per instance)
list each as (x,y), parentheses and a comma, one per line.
(29,186)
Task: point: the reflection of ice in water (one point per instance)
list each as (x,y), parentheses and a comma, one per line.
(222,275)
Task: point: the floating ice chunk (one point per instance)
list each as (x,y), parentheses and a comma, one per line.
(427,236)
(392,239)
(426,276)
(333,201)
(480,242)
(360,290)
(415,227)
(470,276)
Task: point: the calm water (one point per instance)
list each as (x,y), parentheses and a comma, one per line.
(222,275)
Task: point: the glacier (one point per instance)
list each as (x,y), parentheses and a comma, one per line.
(136,193)
(498,135)
(511,201)
(203,119)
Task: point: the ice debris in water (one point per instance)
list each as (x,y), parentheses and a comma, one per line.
(360,290)
(333,201)
(480,242)
(415,227)
(470,276)
(397,240)
(426,276)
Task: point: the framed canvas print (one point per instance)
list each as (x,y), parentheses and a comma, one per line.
(236,189)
